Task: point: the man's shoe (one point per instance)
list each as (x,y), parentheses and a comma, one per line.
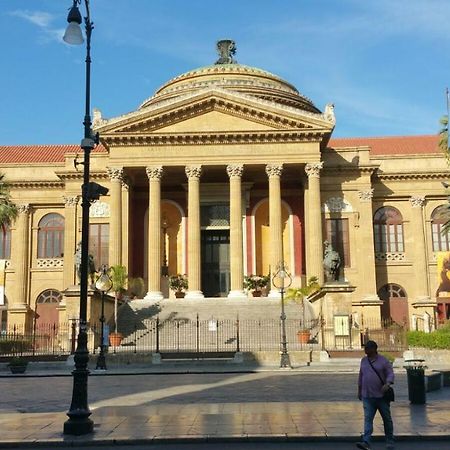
(363,445)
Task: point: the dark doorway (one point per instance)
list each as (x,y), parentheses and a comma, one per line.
(395,304)
(215,263)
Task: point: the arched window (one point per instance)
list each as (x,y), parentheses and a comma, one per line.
(441,242)
(49,296)
(51,236)
(391,290)
(388,230)
(5,242)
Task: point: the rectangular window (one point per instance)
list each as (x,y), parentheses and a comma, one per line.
(99,243)
(338,235)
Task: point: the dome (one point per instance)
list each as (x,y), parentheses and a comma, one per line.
(233,77)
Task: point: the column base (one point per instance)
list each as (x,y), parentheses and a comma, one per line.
(194,294)
(154,295)
(237,295)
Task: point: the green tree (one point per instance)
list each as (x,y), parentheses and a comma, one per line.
(8,210)
(119,279)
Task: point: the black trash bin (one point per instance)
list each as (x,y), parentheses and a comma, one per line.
(415,371)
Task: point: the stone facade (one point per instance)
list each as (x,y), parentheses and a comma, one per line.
(234,159)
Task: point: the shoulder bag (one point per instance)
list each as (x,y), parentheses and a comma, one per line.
(389,395)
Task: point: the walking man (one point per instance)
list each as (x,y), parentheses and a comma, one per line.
(375,378)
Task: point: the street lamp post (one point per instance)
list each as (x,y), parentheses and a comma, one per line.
(79,422)
(104,285)
(282,280)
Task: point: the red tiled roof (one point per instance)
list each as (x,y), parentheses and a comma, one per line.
(392,145)
(22,154)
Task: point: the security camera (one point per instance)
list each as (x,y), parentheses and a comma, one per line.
(95,190)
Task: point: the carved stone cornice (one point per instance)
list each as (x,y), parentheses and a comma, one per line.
(70,176)
(366,195)
(402,176)
(37,185)
(71,201)
(313,169)
(23,208)
(193,171)
(154,172)
(274,170)
(235,170)
(417,201)
(138,139)
(115,173)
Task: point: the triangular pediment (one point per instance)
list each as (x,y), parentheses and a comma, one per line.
(212,112)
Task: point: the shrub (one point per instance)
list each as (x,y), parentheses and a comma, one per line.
(439,339)
(12,346)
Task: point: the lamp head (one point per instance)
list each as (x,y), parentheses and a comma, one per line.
(282,278)
(73,35)
(103,283)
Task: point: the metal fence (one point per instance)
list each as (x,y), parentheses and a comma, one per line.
(215,336)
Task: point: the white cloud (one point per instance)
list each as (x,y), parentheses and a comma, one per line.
(43,21)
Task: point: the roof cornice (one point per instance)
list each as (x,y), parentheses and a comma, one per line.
(400,176)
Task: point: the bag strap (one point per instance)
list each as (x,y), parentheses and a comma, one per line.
(376,371)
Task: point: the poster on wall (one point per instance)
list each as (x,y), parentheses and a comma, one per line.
(443,272)
(2,281)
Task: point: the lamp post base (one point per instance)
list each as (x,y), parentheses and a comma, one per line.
(285,362)
(78,426)
(101,361)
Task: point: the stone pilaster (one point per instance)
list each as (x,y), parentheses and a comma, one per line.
(194,246)
(365,249)
(18,311)
(125,221)
(313,217)
(154,233)
(70,239)
(420,251)
(115,220)
(274,171)
(236,246)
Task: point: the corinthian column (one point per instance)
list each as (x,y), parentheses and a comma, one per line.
(274,171)
(194,262)
(70,235)
(313,217)
(420,253)
(115,221)
(17,312)
(154,233)
(236,254)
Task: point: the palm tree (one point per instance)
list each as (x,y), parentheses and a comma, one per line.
(8,210)
(119,279)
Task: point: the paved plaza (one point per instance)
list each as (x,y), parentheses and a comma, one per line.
(265,405)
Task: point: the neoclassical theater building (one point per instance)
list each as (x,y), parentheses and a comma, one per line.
(226,171)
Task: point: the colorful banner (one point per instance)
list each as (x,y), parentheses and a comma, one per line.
(443,272)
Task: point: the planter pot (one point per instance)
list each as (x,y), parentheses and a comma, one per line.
(17,369)
(303,336)
(115,339)
(257,293)
(179,294)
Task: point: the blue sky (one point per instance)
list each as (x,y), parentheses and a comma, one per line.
(385,64)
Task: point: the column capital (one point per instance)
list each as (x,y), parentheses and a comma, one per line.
(115,173)
(71,201)
(193,171)
(274,170)
(417,201)
(366,195)
(313,169)
(154,172)
(24,208)
(235,170)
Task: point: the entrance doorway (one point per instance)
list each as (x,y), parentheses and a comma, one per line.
(215,263)
(395,304)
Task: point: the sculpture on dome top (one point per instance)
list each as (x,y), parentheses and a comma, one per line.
(226,50)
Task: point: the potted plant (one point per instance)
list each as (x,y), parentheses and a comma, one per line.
(178,283)
(18,364)
(256,283)
(119,278)
(300,296)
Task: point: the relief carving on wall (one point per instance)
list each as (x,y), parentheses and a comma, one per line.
(337,204)
(99,209)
